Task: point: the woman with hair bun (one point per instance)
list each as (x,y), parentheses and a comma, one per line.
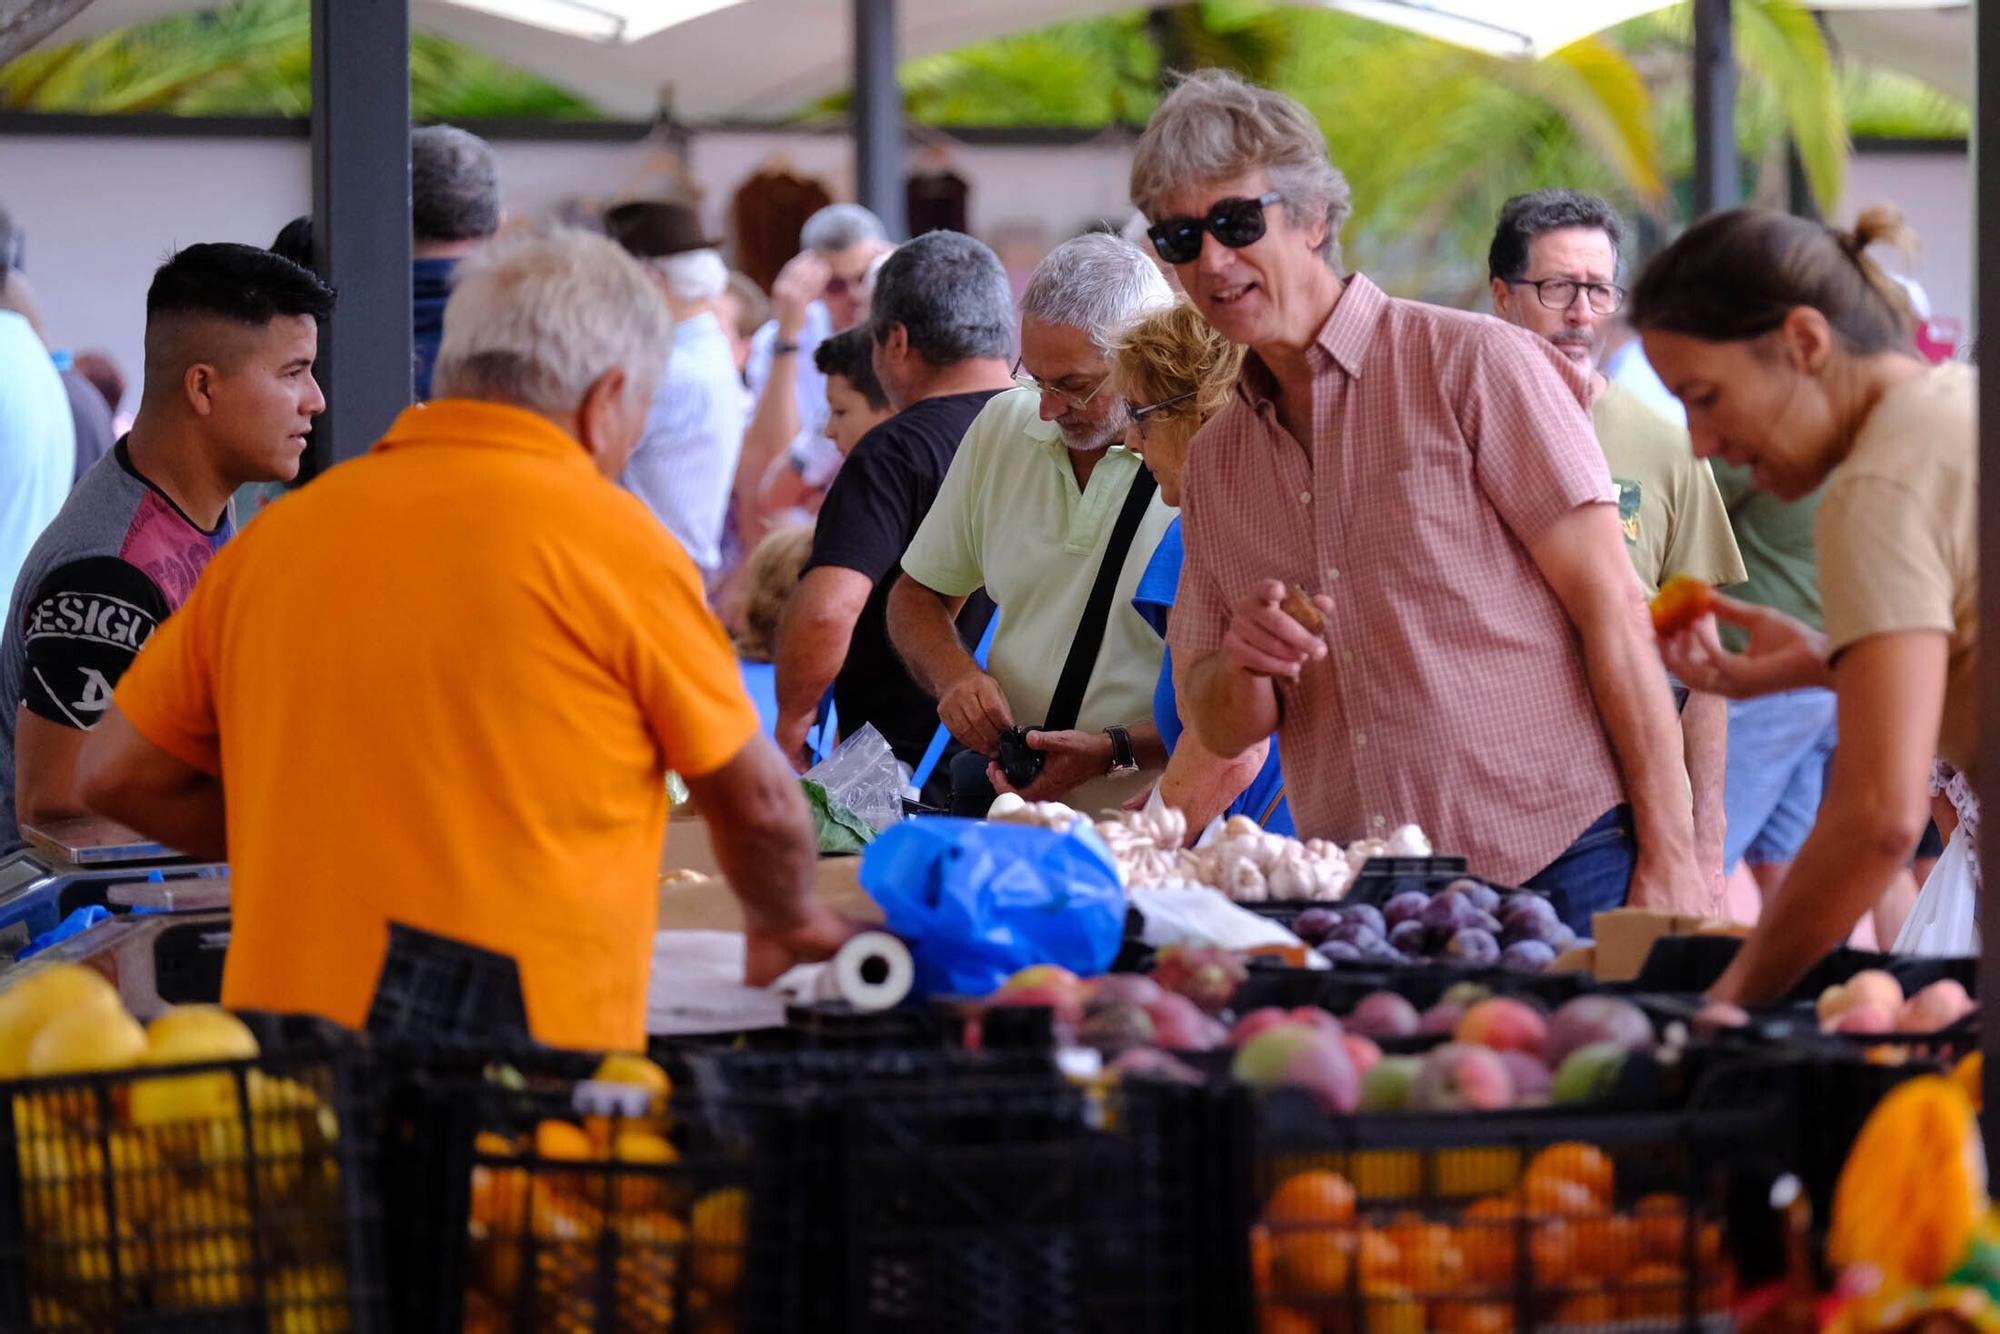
(1795,355)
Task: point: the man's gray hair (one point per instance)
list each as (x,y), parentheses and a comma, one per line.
(454,186)
(1098,283)
(838,227)
(694,276)
(1214,127)
(950,293)
(534,320)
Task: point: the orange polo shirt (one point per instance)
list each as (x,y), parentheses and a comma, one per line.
(442,685)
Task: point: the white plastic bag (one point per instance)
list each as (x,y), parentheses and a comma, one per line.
(1944,920)
(1198,915)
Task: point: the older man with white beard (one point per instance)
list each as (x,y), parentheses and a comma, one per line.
(1042,499)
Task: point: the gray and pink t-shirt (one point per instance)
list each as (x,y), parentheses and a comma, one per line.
(117,560)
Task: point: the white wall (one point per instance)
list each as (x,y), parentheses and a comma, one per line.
(101,212)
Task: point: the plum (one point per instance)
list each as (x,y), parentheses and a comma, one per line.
(1386,1086)
(1409,936)
(1356,933)
(1487,922)
(1518,910)
(1596,1019)
(1405,907)
(1114,1029)
(1460,1077)
(1316,924)
(1567,939)
(1339,951)
(1121,989)
(1368,914)
(1383,952)
(1529,956)
(1473,947)
(1384,1014)
(1448,913)
(1481,896)
(1301,1056)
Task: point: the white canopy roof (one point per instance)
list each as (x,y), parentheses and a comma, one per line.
(762,58)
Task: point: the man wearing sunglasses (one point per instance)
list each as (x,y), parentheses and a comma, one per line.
(1033,509)
(1485,666)
(1554,265)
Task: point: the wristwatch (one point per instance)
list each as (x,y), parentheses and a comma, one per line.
(1123,761)
(783,347)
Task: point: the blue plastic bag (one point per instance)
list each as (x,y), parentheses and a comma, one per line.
(977,902)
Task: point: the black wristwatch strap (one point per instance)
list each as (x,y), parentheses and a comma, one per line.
(1123,759)
(783,347)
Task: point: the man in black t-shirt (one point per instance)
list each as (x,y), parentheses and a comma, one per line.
(231,335)
(942,323)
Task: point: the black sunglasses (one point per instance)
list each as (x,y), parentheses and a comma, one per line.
(1234,222)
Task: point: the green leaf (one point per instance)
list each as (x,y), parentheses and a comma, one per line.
(837,828)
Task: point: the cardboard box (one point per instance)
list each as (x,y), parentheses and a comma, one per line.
(708,904)
(1625,937)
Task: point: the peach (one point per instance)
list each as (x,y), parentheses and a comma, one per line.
(1460,1077)
(1504,1024)
(1362,1052)
(1865,1018)
(1302,1057)
(1257,1021)
(1939,1005)
(1869,986)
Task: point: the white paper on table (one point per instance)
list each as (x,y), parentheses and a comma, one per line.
(696,986)
(1199,915)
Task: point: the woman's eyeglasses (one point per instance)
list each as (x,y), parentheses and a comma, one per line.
(1234,222)
(1148,412)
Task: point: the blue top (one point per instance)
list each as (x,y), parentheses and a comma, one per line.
(1153,599)
(430,288)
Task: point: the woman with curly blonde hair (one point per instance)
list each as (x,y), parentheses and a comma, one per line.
(1176,371)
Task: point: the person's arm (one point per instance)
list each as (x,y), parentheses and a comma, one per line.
(923,630)
(1705,747)
(1891,690)
(1229,696)
(125,777)
(79,635)
(1201,784)
(763,838)
(1582,556)
(813,638)
(776,420)
(1781,653)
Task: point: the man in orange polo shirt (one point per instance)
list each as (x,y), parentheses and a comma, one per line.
(444,683)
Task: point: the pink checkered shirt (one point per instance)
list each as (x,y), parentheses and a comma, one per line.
(1455,695)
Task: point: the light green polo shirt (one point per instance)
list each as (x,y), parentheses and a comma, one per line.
(1668,503)
(1010,517)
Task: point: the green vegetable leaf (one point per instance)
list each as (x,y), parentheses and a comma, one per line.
(837,828)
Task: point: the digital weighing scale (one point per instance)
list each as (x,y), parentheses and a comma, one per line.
(85,862)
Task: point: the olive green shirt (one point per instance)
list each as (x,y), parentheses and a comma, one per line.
(1776,539)
(1668,504)
(1898,536)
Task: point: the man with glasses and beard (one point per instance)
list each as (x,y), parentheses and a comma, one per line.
(1056,519)
(1554,266)
(1403,548)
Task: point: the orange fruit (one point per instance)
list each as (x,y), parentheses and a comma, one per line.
(1431,1259)
(1472,1318)
(1490,1236)
(561,1140)
(1587,1308)
(1392,1310)
(1585,1165)
(1380,1258)
(1662,1221)
(1284,1320)
(1260,1257)
(1557,1197)
(1653,1290)
(1607,1246)
(1311,1264)
(1312,1198)
(1552,1252)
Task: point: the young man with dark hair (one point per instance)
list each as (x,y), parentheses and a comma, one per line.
(231,334)
(855,401)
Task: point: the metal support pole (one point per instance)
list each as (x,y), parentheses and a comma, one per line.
(1986,284)
(1715,165)
(878,114)
(361,218)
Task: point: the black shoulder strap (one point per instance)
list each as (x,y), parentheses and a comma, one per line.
(1067,702)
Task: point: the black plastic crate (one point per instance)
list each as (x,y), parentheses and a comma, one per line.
(1512,1220)
(1340,988)
(528,1199)
(970,1192)
(215,1196)
(433,989)
(1691,964)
